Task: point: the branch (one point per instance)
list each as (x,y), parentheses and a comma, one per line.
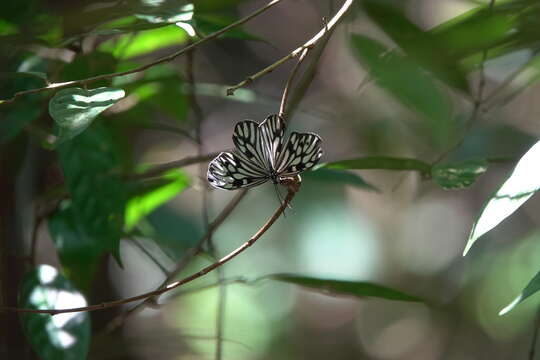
(293,185)
(151,301)
(309,44)
(161,168)
(146,66)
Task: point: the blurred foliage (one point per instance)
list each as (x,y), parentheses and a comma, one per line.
(426,91)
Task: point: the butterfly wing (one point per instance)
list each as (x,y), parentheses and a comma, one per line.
(271,132)
(247,139)
(231,171)
(301,152)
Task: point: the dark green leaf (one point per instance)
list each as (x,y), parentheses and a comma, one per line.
(532,288)
(381,162)
(143,204)
(458,176)
(79,253)
(58,337)
(341,177)
(523,182)
(74,109)
(91,166)
(340,287)
(403,78)
(209,23)
(418,44)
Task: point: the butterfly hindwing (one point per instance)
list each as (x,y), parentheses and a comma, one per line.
(301,152)
(262,155)
(230,171)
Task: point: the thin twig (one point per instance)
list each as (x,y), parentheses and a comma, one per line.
(157,170)
(146,66)
(288,85)
(478,102)
(192,252)
(140,246)
(292,186)
(309,44)
(309,74)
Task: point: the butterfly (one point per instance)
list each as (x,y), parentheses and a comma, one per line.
(261,154)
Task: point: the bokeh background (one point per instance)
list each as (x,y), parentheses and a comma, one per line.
(402,230)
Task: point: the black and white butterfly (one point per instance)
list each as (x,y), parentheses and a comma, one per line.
(261,155)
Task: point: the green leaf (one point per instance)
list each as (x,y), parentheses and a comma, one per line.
(74,109)
(404,79)
(144,42)
(91,165)
(58,337)
(420,45)
(165,11)
(209,23)
(381,163)
(341,177)
(532,288)
(523,182)
(341,287)
(458,176)
(143,204)
(477,30)
(79,253)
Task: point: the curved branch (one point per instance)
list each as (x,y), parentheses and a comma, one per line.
(293,185)
(146,66)
(308,45)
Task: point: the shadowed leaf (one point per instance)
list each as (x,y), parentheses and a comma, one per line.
(341,287)
(74,109)
(58,337)
(458,176)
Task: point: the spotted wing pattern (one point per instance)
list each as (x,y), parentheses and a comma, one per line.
(247,140)
(271,133)
(301,152)
(261,155)
(231,171)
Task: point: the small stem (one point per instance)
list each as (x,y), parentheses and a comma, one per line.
(292,187)
(309,44)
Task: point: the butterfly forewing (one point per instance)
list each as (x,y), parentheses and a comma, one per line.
(247,139)
(230,171)
(301,152)
(262,155)
(272,130)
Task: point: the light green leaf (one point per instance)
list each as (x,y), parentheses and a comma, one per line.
(59,337)
(342,177)
(143,204)
(458,176)
(518,188)
(129,45)
(74,109)
(532,287)
(381,162)
(404,79)
(341,287)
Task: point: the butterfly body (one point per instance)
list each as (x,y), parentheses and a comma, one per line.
(262,155)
